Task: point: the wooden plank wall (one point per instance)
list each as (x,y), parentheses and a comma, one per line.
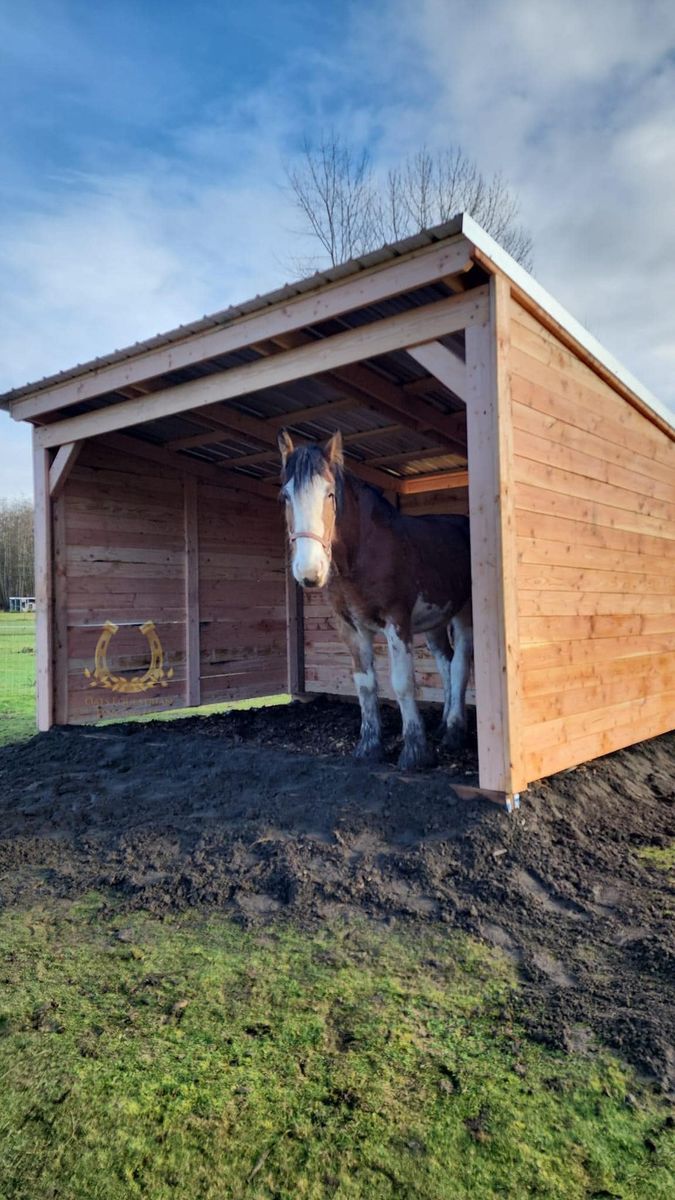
(125,552)
(327,662)
(595,522)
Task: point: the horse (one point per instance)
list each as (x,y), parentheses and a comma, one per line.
(383,572)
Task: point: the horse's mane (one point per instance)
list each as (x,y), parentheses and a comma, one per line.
(306,462)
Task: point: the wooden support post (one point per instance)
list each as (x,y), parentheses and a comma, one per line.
(44,595)
(60,637)
(295,634)
(493,546)
(192,641)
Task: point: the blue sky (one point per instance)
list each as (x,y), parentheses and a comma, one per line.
(143,144)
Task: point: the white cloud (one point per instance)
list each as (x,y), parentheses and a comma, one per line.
(575,102)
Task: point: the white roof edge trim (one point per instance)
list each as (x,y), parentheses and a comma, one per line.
(501,259)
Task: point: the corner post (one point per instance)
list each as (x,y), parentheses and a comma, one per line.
(44,588)
(493,545)
(192,641)
(295,633)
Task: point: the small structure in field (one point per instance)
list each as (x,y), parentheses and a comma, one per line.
(459,386)
(21,604)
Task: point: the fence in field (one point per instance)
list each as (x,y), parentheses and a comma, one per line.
(17,673)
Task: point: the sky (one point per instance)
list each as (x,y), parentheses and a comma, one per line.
(143,149)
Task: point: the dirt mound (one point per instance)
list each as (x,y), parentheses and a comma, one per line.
(217,812)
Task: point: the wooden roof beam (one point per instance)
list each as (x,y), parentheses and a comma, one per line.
(252,460)
(263,432)
(392,396)
(357,290)
(440,481)
(410,328)
(445,367)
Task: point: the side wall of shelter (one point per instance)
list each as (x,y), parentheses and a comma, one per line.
(594,487)
(328,665)
(138,542)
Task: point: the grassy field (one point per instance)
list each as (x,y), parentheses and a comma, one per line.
(190,1057)
(17,676)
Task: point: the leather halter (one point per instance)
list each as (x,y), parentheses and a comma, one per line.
(325,544)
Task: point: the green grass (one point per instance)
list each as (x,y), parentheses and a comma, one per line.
(189,1057)
(662,857)
(17,676)
(17,685)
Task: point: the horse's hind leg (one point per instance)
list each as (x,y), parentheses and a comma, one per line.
(360,644)
(439,645)
(460,669)
(415,752)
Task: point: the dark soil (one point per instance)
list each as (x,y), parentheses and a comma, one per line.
(263,813)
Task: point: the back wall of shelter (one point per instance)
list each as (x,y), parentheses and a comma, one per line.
(125,529)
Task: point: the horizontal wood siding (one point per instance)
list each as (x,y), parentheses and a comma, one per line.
(121,536)
(595,519)
(242,597)
(328,664)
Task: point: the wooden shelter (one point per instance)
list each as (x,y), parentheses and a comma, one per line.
(459,386)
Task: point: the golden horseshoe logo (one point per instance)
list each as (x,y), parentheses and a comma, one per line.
(102,676)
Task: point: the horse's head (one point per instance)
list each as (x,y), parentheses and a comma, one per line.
(312,481)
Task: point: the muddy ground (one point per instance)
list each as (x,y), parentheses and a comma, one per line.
(264,814)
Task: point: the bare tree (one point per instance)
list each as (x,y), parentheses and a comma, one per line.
(16,550)
(350,210)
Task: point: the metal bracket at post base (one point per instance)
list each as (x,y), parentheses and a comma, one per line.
(508,800)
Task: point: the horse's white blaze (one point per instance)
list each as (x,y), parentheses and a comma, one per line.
(310,563)
(426,616)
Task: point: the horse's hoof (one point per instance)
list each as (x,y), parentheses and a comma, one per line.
(369,752)
(416,756)
(454,739)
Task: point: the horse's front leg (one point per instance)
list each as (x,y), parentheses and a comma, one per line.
(360,644)
(415,752)
(460,669)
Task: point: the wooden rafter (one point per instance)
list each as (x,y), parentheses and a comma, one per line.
(405,456)
(252,460)
(183,462)
(409,328)
(356,291)
(386,396)
(439,481)
(263,432)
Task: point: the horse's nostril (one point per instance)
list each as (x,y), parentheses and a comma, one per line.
(309,583)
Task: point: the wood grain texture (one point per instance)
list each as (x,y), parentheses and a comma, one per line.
(137,543)
(493,546)
(595,520)
(44,588)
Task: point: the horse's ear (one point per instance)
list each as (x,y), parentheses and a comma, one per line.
(333,450)
(285,444)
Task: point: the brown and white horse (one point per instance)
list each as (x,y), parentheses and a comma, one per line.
(384,572)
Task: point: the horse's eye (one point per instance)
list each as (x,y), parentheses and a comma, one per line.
(331,496)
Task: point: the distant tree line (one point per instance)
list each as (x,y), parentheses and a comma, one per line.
(16,550)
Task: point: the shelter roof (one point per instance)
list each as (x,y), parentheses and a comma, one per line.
(464,224)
